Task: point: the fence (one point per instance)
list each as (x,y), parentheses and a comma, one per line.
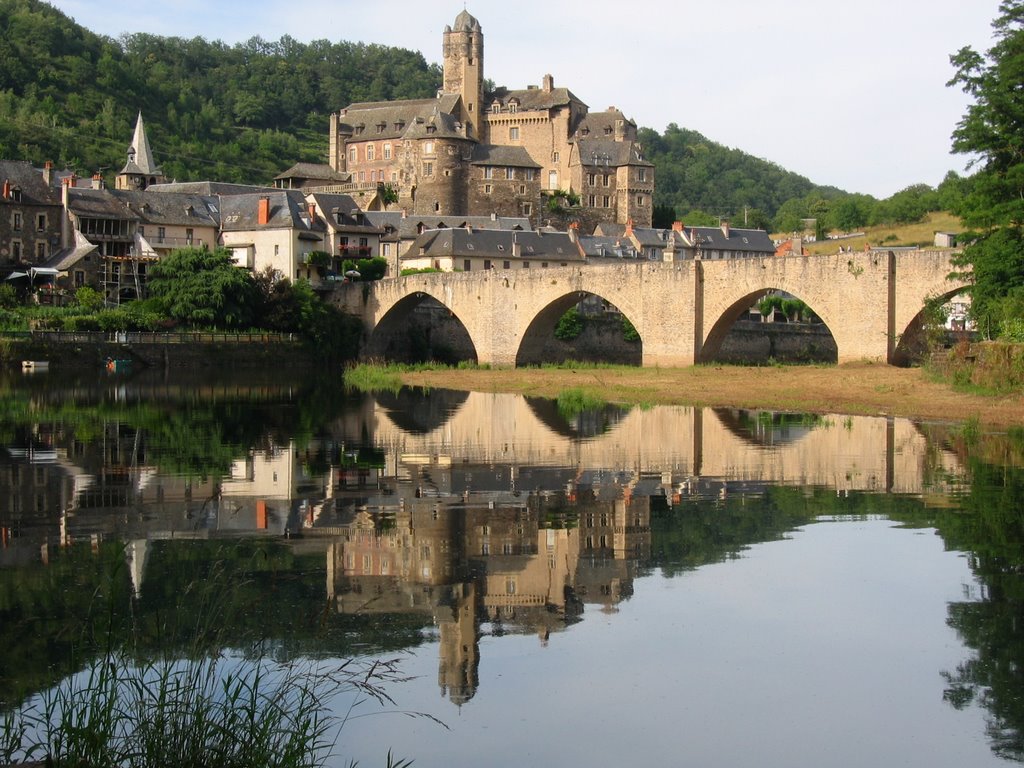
(146,337)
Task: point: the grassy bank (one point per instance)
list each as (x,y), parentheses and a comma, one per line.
(857,388)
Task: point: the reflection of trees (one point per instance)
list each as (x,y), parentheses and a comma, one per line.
(208,595)
(990,525)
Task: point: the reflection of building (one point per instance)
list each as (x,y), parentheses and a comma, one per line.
(474,559)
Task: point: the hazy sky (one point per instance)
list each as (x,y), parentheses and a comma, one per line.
(850,93)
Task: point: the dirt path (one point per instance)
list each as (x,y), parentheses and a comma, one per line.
(856,389)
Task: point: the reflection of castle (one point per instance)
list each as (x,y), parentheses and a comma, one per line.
(519,564)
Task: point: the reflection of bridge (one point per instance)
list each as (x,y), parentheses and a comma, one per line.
(846,453)
(682,310)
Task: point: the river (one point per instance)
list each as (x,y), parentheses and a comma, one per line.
(662,585)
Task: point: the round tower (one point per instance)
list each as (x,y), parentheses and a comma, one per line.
(463,52)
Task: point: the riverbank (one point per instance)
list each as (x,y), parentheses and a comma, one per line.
(853,388)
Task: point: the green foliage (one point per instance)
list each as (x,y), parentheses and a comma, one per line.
(236,113)
(201,287)
(569,326)
(387,195)
(993,131)
(695,173)
(88,298)
(368,269)
(318,259)
(8,297)
(421,271)
(629,332)
(573,402)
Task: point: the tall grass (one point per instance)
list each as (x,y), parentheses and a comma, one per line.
(223,710)
(216,701)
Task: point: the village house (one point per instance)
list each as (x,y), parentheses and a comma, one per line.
(508,152)
(468,250)
(277,230)
(30,216)
(682,242)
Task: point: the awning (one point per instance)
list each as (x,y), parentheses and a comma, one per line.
(17,275)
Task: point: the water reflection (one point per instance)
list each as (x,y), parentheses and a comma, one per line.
(446,519)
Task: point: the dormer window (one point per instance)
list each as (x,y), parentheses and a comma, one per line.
(380,127)
(399,125)
(496,107)
(513,106)
(431,129)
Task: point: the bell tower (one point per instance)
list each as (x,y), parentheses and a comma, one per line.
(463,51)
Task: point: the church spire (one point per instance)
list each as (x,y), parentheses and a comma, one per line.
(141,170)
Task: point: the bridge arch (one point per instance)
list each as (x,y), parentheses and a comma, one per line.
(601,331)
(419,328)
(819,349)
(912,340)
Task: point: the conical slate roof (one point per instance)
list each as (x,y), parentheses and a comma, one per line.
(143,162)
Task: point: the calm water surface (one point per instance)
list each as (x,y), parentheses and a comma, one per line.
(622,586)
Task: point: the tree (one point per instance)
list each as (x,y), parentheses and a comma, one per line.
(203,287)
(992,129)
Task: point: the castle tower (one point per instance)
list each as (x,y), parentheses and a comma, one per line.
(141,170)
(463,51)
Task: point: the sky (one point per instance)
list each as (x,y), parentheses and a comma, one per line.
(850,94)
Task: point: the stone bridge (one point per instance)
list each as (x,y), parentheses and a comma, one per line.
(870,301)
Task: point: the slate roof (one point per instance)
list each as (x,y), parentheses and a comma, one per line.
(340,212)
(66,258)
(144,164)
(221,188)
(409,228)
(603,123)
(464,22)
(34,190)
(98,204)
(239,213)
(173,208)
(497,244)
(608,153)
(394,119)
(532,99)
(739,240)
(313,171)
(516,157)
(596,246)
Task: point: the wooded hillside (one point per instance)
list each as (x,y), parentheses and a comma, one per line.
(246,112)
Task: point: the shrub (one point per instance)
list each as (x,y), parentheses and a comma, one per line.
(570,325)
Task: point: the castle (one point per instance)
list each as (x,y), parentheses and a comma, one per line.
(538,152)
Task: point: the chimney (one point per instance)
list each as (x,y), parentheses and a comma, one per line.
(574,234)
(7,189)
(263,211)
(517,248)
(312,213)
(725,229)
(549,84)
(48,172)
(677,226)
(629,228)
(97,181)
(469,228)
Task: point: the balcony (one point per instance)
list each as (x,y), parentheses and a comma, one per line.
(354,250)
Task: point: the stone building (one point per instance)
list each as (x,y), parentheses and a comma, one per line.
(507,152)
(30,215)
